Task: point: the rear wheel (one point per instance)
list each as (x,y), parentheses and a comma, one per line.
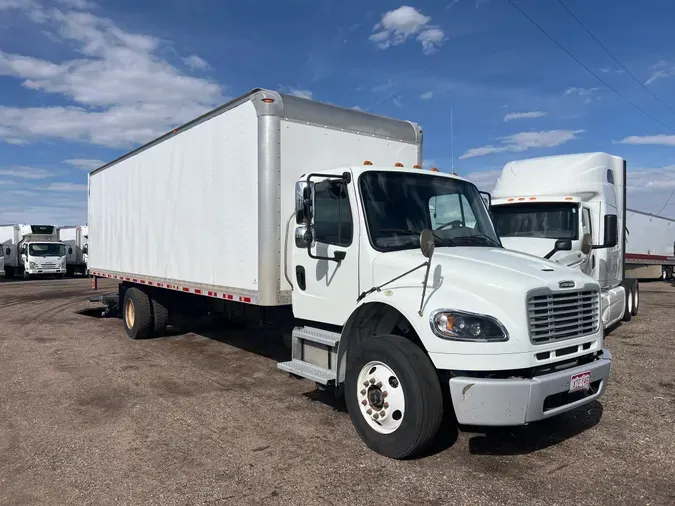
(160,316)
(393,396)
(137,314)
(628,311)
(636,298)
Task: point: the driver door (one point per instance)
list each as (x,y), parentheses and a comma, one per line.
(588,259)
(324,289)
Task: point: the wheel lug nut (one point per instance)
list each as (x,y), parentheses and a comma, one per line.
(385,393)
(386,405)
(364,402)
(363,392)
(365,384)
(379,384)
(369,411)
(382,413)
(372,380)
(376,416)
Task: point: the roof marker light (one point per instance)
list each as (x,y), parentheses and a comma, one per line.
(417,166)
(434,169)
(367,162)
(268,100)
(398,164)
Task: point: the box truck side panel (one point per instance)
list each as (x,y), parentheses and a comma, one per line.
(313,148)
(184,209)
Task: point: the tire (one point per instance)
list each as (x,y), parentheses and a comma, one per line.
(628,311)
(160,316)
(636,298)
(137,314)
(415,381)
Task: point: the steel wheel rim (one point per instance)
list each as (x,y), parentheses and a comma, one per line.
(380,396)
(130,313)
(630,302)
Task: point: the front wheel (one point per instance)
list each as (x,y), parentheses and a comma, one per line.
(636,298)
(393,396)
(628,310)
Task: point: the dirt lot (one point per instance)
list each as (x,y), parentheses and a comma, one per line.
(90,417)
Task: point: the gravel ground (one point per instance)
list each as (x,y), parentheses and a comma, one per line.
(88,416)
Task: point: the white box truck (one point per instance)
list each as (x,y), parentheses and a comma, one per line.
(566,208)
(650,246)
(32,250)
(316,219)
(76,240)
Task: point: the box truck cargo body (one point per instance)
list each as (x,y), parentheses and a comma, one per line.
(318,220)
(650,246)
(75,239)
(571,209)
(32,250)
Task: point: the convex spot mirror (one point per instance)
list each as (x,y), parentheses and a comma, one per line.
(427,243)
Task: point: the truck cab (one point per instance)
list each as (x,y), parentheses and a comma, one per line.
(394,260)
(570,209)
(40,252)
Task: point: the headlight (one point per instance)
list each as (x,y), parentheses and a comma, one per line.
(32,265)
(463,326)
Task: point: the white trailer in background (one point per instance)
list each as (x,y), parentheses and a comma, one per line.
(571,209)
(310,217)
(32,250)
(650,246)
(76,240)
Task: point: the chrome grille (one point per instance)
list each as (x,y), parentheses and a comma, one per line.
(565,315)
(47,266)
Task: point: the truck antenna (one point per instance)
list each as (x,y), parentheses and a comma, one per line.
(452,141)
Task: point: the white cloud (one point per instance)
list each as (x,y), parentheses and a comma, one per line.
(399,25)
(195,62)
(525,140)
(485,180)
(427,95)
(582,92)
(85,163)
(397,102)
(297,92)
(524,115)
(357,108)
(67,187)
(26,173)
(661,139)
(77,4)
(661,70)
(123,91)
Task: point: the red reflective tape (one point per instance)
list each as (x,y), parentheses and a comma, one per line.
(135,280)
(142,281)
(212,294)
(150,283)
(229,297)
(197,291)
(639,256)
(127,279)
(245,299)
(160,284)
(185,289)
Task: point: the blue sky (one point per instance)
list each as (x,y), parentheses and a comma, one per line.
(82,81)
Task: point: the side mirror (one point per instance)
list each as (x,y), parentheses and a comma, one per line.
(304,202)
(611,232)
(85,249)
(8,252)
(560,245)
(586,244)
(427,243)
(487,199)
(304,237)
(70,251)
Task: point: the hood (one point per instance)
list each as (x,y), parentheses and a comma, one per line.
(537,246)
(494,267)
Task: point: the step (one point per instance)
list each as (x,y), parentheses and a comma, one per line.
(309,371)
(317,335)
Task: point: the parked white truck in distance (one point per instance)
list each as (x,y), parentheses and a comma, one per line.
(76,240)
(571,209)
(32,250)
(297,231)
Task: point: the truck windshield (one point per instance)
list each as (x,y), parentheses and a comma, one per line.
(547,220)
(398,206)
(47,250)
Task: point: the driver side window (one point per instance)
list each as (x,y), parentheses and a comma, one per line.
(586,222)
(451,207)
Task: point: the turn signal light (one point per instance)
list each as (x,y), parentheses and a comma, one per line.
(367,162)
(268,100)
(434,169)
(417,166)
(398,164)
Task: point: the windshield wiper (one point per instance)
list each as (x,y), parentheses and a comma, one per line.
(445,240)
(481,236)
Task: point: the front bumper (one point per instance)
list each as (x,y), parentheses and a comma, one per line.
(37,272)
(504,402)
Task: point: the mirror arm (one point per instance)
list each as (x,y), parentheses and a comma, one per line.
(345,176)
(338,256)
(551,253)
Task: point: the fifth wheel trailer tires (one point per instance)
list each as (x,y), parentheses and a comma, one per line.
(393,396)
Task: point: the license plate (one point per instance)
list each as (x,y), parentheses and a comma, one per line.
(580,381)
